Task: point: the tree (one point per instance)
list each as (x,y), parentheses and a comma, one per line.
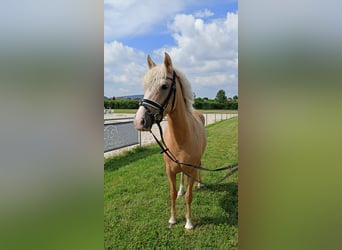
(221,96)
(235,97)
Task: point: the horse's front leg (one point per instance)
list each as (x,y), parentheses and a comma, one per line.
(173,196)
(188,200)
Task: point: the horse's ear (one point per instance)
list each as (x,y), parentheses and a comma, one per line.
(168,62)
(150,63)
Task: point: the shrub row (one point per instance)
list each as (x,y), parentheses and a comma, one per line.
(213,104)
(121,104)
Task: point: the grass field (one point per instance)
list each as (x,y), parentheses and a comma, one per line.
(218,111)
(137,205)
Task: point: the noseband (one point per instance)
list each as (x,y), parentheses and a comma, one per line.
(157,117)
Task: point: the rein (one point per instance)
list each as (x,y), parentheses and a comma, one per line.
(171,156)
(158,117)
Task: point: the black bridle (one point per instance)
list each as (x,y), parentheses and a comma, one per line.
(158,117)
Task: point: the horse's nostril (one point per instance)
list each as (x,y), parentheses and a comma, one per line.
(142,122)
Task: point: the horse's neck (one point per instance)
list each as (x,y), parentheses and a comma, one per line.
(178,121)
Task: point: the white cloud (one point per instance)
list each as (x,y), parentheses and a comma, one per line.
(206,51)
(135,17)
(123,69)
(215,39)
(203,13)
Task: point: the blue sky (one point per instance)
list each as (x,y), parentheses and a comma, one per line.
(200,36)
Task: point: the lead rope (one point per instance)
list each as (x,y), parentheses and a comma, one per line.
(169,154)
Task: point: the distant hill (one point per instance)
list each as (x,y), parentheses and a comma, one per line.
(132,97)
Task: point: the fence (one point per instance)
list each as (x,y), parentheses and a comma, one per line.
(120,133)
(212,118)
(108,111)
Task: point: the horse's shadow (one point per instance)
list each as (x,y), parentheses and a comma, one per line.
(136,154)
(228,201)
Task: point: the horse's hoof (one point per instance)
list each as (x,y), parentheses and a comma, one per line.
(179,195)
(188,225)
(200,185)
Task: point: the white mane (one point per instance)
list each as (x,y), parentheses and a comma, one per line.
(154,78)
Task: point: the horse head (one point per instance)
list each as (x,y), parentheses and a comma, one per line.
(159,94)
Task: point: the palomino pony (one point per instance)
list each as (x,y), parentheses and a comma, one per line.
(167,92)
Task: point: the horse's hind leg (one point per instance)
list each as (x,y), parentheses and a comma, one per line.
(199,184)
(181,186)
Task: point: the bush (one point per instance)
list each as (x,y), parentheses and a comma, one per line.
(121,104)
(205,104)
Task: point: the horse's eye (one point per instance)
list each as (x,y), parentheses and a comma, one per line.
(165,86)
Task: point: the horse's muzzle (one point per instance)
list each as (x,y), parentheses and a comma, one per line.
(143,120)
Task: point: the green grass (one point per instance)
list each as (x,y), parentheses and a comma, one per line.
(218,111)
(137,204)
(125,111)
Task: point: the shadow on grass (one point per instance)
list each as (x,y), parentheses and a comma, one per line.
(228,201)
(116,162)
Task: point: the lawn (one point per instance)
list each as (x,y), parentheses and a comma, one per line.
(137,205)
